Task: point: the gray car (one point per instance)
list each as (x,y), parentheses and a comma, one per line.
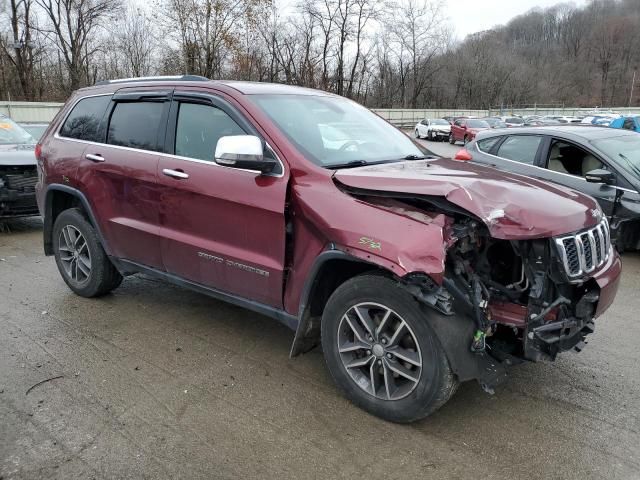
(599,161)
(18,171)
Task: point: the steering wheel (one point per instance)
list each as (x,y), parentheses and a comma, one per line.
(350,143)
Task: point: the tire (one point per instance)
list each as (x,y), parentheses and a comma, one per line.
(430,136)
(466,139)
(416,133)
(75,241)
(400,400)
(451,140)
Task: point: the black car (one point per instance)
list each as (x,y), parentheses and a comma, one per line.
(599,161)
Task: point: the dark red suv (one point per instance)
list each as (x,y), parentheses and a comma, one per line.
(414,273)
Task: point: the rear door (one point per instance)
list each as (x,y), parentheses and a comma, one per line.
(222,227)
(120,175)
(514,153)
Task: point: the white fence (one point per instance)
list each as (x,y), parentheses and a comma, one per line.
(44,112)
(30,111)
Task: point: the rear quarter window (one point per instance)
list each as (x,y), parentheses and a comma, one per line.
(520,148)
(83,122)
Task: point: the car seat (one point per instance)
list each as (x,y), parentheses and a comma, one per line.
(555,162)
(589,162)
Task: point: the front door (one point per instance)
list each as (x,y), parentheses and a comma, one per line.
(222,227)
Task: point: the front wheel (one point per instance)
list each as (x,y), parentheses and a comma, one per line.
(466,139)
(416,133)
(451,139)
(381,351)
(81,260)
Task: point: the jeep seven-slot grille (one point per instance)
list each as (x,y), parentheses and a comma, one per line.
(585,251)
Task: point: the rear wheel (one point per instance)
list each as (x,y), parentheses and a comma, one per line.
(381,351)
(451,139)
(81,260)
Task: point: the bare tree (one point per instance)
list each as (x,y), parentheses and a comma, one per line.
(419,31)
(136,43)
(72,26)
(19,46)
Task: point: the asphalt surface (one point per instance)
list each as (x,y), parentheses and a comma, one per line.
(154,381)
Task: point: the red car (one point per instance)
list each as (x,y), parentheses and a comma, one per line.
(414,273)
(465,129)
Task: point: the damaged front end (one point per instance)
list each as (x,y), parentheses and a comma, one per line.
(17,191)
(529,299)
(502,302)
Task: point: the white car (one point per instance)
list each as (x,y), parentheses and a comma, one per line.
(563,118)
(433,129)
(513,121)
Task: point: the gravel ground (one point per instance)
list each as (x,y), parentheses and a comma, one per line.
(154,381)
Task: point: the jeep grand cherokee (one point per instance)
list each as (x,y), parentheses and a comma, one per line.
(413,273)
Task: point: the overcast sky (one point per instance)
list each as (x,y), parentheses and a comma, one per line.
(469,16)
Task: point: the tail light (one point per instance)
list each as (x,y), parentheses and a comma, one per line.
(38,151)
(463,155)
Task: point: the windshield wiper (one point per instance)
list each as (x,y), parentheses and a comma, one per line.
(413,156)
(351,164)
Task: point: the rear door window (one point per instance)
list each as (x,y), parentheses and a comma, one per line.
(486,144)
(520,148)
(83,123)
(135,125)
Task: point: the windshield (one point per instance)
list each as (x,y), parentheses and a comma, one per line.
(514,120)
(439,121)
(477,124)
(333,131)
(36,131)
(624,150)
(12,133)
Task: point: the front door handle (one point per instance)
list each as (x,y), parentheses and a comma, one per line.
(94,157)
(175,173)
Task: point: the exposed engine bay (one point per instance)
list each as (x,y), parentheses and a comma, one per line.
(525,297)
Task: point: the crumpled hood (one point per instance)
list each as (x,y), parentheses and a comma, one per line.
(512,206)
(17,155)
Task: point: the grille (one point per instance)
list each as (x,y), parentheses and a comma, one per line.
(585,251)
(23,182)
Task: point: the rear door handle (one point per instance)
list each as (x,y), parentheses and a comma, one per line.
(94,157)
(175,174)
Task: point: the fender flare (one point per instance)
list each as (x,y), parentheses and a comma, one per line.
(48,215)
(305,325)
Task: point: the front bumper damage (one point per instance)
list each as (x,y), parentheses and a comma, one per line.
(487,323)
(17,191)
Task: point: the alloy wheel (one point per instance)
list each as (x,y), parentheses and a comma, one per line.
(74,254)
(379,351)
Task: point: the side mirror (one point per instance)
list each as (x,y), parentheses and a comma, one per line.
(600,175)
(243,151)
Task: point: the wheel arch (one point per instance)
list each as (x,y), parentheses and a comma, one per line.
(59,198)
(330,270)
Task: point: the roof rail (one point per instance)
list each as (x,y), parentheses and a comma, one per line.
(182,78)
